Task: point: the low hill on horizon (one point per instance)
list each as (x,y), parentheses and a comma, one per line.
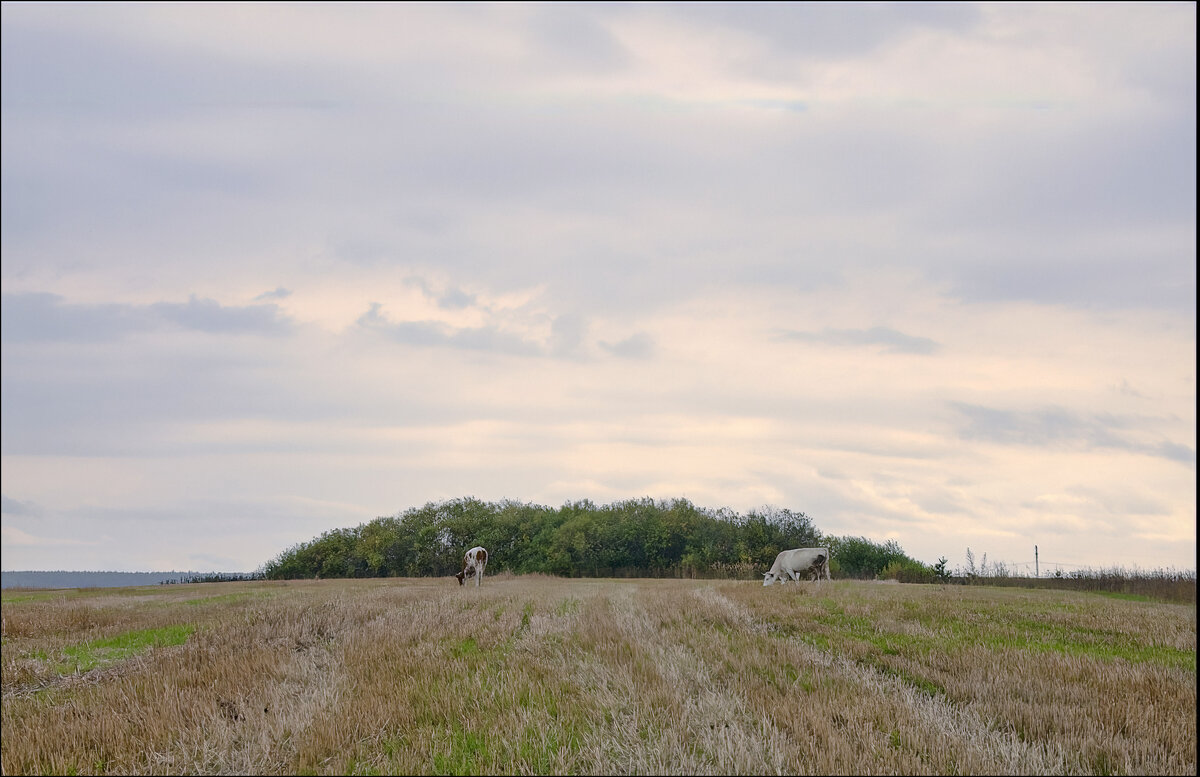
(103,579)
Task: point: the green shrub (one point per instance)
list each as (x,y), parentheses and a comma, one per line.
(908,571)
(859,557)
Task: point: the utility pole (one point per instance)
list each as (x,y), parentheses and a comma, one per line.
(1035,563)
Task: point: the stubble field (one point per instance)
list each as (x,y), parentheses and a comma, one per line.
(540,675)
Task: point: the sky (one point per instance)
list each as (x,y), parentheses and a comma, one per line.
(923,272)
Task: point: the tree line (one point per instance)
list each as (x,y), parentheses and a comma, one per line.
(213,577)
(631,538)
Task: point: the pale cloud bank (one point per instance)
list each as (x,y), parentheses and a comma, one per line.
(888,339)
(924,272)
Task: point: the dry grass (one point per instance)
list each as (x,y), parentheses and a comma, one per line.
(539,675)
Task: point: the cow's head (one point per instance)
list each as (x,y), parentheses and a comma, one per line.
(461,575)
(768,578)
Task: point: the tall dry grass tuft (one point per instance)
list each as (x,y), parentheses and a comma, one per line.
(532,674)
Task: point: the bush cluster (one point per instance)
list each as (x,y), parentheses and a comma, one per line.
(909,571)
(633,538)
(860,558)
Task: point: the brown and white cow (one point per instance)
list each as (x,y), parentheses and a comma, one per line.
(473,565)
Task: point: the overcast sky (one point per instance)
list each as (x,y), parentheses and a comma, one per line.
(924,272)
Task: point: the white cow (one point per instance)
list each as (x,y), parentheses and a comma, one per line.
(473,565)
(796,562)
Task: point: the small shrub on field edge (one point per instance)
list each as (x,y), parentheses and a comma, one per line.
(908,571)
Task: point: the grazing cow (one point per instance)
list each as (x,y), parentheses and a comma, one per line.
(473,565)
(796,562)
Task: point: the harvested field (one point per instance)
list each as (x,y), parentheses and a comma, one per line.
(543,675)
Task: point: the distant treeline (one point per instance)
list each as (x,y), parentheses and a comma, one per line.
(214,577)
(75,579)
(632,538)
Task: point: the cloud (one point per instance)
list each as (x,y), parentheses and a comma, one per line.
(819,31)
(206,315)
(1057,426)
(16,537)
(475,158)
(437,334)
(278,293)
(449,297)
(567,334)
(891,340)
(576,39)
(198,530)
(43,317)
(24,512)
(1095,279)
(1175,452)
(1123,501)
(637,346)
(15,507)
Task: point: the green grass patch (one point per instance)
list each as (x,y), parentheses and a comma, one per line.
(101,652)
(465,752)
(865,629)
(1094,643)
(830,606)
(819,641)
(997,628)
(1154,654)
(1126,597)
(782,678)
(36,596)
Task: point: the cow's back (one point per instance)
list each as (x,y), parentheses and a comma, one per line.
(803,558)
